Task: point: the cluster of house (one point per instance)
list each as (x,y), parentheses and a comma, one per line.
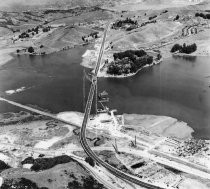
(191,146)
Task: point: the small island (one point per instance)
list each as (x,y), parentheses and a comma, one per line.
(128,63)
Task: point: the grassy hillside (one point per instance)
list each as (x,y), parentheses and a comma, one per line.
(18,5)
(15,5)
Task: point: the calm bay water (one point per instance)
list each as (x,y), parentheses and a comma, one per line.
(178,87)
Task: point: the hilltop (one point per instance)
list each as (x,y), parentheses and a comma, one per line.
(20,5)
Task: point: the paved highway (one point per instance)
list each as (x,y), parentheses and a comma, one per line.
(83,140)
(38,112)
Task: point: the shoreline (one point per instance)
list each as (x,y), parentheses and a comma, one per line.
(9,53)
(6,55)
(89,59)
(90,55)
(163,125)
(105,75)
(190,55)
(51,52)
(158,124)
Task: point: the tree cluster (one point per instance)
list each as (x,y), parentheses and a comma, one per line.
(165,11)
(22,117)
(132,27)
(152,17)
(122,23)
(187,49)
(3,166)
(90,161)
(176,18)
(159,56)
(129,62)
(148,22)
(88,183)
(93,35)
(46,29)
(30,49)
(36,29)
(26,33)
(205,16)
(21,183)
(46,163)
(130,54)
(23,35)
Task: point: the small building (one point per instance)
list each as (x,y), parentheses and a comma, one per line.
(103,110)
(103,95)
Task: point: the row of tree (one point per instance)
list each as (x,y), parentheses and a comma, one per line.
(176,18)
(46,163)
(121,23)
(88,183)
(130,54)
(23,35)
(26,33)
(152,17)
(33,31)
(188,49)
(46,29)
(36,30)
(30,49)
(148,22)
(205,16)
(93,35)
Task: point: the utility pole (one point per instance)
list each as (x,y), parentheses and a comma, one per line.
(115,147)
(135,141)
(84,100)
(96,95)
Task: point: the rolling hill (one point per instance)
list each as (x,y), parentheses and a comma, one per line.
(21,5)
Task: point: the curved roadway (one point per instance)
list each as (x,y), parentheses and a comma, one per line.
(83,140)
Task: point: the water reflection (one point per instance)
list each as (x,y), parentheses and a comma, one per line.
(185,57)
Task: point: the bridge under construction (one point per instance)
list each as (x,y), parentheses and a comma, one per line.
(87,149)
(101,98)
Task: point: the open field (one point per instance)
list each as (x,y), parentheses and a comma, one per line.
(161,125)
